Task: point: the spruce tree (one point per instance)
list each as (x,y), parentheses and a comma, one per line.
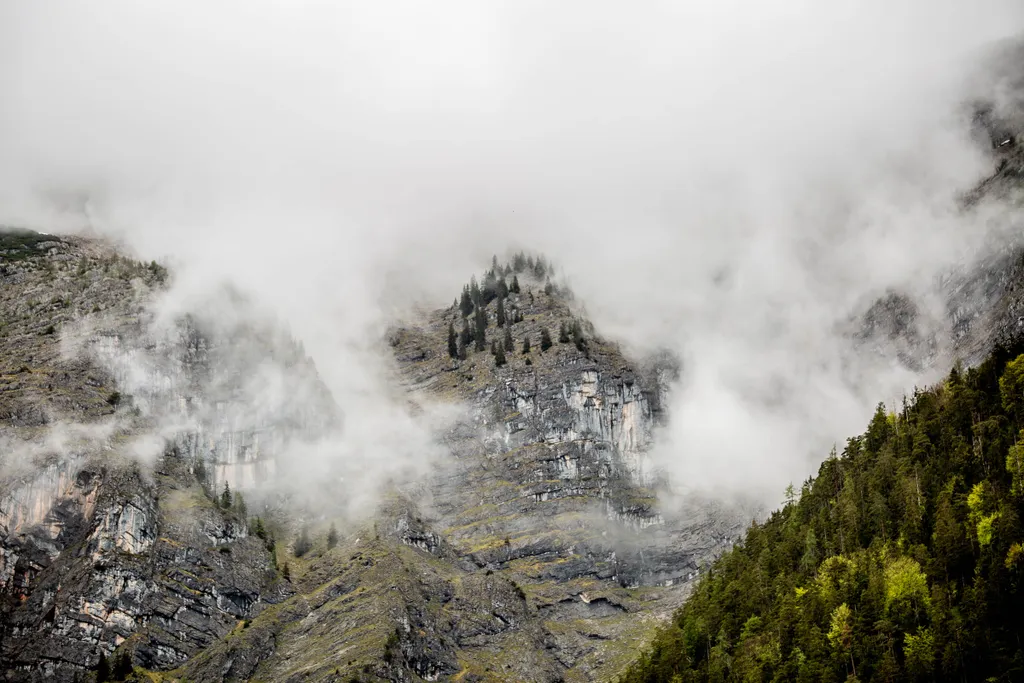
(499,356)
(563,333)
(462,349)
(480,337)
(508,344)
(526,344)
(453,347)
(502,288)
(545,339)
(514,288)
(332,537)
(466,335)
(225,496)
(501,312)
(466,303)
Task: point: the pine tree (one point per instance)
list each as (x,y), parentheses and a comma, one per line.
(501,313)
(563,334)
(466,335)
(453,347)
(462,349)
(526,344)
(480,337)
(502,288)
(515,285)
(499,356)
(508,343)
(225,496)
(545,339)
(466,303)
(332,537)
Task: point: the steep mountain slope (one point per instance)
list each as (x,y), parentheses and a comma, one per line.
(900,561)
(543,535)
(98,548)
(538,554)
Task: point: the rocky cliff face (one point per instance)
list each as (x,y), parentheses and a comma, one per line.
(542,535)
(107,536)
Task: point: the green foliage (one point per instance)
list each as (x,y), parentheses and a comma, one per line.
(563,333)
(453,347)
(901,560)
(332,537)
(514,288)
(508,343)
(465,303)
(526,343)
(225,496)
(480,335)
(499,355)
(1015,466)
(500,314)
(1011,388)
(545,339)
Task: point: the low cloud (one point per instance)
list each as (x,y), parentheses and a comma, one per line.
(730,180)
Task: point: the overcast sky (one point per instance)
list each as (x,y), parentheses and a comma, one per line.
(727,179)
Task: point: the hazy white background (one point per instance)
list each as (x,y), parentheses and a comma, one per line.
(728,179)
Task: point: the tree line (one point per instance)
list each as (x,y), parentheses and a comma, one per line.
(901,560)
(472,307)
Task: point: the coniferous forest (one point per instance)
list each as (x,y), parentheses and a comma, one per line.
(901,561)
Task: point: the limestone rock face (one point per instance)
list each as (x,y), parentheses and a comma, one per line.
(107,537)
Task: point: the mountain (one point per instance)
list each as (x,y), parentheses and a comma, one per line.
(158,519)
(542,535)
